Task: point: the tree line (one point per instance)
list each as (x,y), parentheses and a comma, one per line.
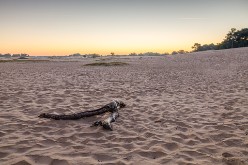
(233,39)
(8,55)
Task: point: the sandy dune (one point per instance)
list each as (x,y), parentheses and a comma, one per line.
(183,109)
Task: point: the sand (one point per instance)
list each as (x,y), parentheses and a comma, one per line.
(182,109)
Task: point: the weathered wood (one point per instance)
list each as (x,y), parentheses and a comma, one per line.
(112,107)
(106,124)
(76,116)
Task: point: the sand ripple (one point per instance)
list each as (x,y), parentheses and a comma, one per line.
(188,109)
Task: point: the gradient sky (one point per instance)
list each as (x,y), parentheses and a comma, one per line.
(62,27)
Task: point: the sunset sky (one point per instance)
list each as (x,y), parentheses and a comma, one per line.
(63,27)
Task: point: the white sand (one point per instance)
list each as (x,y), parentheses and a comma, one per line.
(183,109)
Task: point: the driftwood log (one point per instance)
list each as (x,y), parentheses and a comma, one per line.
(106,124)
(112,107)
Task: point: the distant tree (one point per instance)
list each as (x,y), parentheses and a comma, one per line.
(212,46)
(112,53)
(207,47)
(94,55)
(174,52)
(181,52)
(165,53)
(230,37)
(132,54)
(241,38)
(196,47)
(75,54)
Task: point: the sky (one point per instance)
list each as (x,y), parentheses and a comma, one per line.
(63,27)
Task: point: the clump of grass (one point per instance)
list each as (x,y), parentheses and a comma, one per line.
(107,64)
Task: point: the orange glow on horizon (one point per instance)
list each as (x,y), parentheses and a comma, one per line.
(99,46)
